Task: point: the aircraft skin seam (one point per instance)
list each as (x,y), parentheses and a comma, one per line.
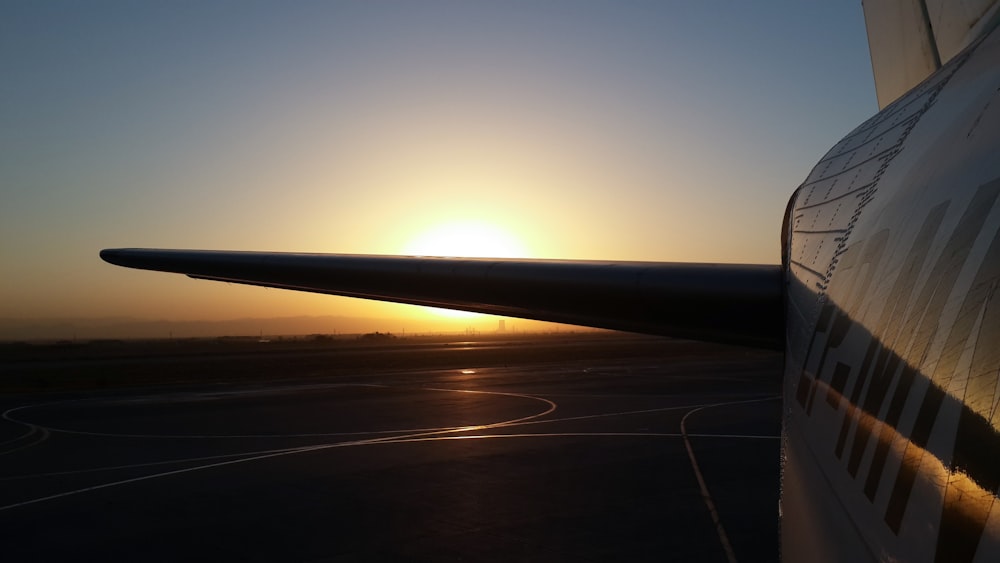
(889,407)
(849,149)
(870,193)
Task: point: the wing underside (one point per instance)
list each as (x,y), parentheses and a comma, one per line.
(739,304)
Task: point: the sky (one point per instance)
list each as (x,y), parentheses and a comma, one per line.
(659,131)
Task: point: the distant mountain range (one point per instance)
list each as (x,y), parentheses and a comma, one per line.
(124,327)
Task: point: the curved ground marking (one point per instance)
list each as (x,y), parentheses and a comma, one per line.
(427,439)
(414,437)
(43,434)
(147,464)
(552,407)
(280,453)
(579,434)
(723,538)
(393,441)
(457,429)
(640,411)
(31,430)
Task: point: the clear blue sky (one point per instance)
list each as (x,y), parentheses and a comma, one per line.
(609,130)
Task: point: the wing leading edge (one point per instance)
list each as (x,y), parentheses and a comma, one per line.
(739,304)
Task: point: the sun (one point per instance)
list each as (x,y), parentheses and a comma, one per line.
(465,239)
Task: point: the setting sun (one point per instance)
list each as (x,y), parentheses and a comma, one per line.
(467,239)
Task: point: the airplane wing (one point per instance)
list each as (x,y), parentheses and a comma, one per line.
(738,304)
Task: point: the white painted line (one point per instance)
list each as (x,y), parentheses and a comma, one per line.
(43,435)
(723,538)
(552,407)
(420,435)
(32,429)
(577,434)
(140,465)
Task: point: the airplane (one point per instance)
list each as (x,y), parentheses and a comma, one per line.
(883,302)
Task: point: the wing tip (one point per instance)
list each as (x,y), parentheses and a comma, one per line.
(116,256)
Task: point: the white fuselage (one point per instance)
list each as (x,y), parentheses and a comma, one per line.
(893,256)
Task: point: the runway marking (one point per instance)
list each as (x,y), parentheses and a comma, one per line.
(705,495)
(579,434)
(18,438)
(552,407)
(43,435)
(419,436)
(400,440)
(140,465)
(158,475)
(246,436)
(265,454)
(304,449)
(620,413)
(363,433)
(32,429)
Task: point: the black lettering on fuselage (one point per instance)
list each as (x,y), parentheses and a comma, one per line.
(899,342)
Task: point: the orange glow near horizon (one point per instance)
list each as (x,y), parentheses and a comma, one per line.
(455,129)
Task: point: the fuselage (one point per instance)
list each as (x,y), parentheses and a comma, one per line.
(892,255)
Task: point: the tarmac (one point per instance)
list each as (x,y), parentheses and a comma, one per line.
(670,457)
